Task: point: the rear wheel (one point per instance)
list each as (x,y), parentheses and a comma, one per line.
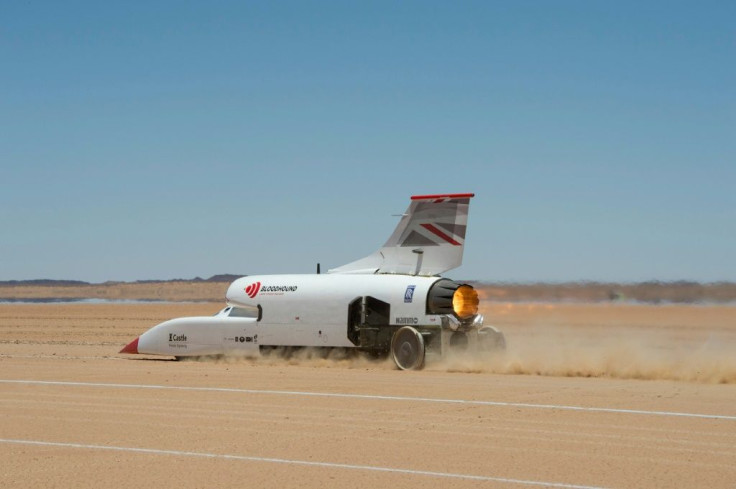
(459,341)
(407,348)
(491,339)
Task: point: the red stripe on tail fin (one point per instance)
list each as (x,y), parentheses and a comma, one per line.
(432,229)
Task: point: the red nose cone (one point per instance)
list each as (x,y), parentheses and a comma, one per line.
(131,347)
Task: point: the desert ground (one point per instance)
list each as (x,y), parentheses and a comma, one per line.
(586,395)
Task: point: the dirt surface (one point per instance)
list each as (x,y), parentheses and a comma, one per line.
(610,396)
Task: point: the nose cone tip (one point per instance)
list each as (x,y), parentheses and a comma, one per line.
(131,347)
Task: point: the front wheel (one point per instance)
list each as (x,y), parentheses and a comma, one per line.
(407,348)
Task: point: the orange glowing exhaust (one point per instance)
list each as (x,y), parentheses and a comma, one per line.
(465,302)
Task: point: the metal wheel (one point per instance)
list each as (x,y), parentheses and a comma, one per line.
(491,339)
(407,348)
(459,341)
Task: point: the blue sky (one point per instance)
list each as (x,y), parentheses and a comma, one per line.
(147,140)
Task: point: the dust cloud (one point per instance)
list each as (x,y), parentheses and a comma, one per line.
(556,352)
(569,352)
(306,357)
(676,342)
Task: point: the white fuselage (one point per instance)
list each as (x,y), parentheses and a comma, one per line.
(312,310)
(295,310)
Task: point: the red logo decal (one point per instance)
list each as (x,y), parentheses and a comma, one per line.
(252,289)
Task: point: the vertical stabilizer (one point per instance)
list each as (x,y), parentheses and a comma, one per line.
(428,240)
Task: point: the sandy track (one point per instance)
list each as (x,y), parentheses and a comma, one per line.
(521,432)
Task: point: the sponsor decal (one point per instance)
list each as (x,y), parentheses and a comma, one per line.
(407,320)
(409,294)
(255,288)
(246,339)
(252,289)
(177,340)
(279,288)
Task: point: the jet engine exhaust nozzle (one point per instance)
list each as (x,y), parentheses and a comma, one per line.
(449,297)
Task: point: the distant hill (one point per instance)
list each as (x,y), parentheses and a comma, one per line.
(214,288)
(652,292)
(223,277)
(42,281)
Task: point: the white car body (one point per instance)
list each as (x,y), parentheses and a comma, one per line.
(391,301)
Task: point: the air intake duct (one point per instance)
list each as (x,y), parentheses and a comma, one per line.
(448,297)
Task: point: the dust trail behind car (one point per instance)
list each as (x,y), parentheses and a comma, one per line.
(670,342)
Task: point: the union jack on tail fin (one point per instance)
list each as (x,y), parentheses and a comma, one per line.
(428,240)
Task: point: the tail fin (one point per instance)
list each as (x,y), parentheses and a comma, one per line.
(428,240)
